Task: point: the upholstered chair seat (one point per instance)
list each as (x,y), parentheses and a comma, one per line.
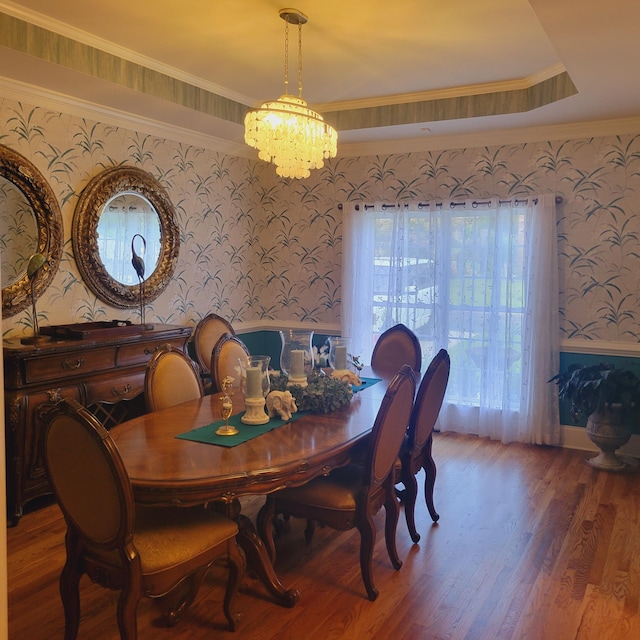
(339,495)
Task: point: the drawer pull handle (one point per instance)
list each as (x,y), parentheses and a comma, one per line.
(118,393)
(67,364)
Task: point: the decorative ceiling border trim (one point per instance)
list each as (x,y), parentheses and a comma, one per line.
(450,92)
(91,40)
(52,47)
(465,106)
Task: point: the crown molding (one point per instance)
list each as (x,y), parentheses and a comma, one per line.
(47,99)
(491,138)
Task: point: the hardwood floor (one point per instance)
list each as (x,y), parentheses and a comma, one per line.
(531,544)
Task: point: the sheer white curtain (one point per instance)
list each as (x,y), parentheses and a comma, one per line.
(479,279)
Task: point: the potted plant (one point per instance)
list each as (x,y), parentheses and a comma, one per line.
(610,399)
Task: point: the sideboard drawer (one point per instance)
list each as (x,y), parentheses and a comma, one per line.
(131,354)
(70,364)
(115,389)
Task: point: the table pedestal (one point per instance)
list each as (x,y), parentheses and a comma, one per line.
(258,560)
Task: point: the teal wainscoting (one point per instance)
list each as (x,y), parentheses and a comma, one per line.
(268,343)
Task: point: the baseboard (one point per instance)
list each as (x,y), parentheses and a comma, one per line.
(577,438)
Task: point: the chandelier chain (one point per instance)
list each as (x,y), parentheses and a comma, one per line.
(286,57)
(299,60)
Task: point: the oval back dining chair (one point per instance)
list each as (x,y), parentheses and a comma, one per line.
(170,378)
(205,337)
(350,496)
(416,451)
(224,360)
(396,346)
(141,551)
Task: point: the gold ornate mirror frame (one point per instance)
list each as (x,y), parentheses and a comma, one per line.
(93,199)
(27,178)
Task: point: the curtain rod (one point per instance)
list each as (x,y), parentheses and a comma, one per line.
(453,205)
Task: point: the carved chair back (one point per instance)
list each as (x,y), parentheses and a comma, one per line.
(398,345)
(170,378)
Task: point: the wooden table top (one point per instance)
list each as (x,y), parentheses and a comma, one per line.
(168,470)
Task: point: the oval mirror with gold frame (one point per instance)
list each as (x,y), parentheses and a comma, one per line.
(31,223)
(116,207)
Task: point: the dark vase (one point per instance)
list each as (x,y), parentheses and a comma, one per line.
(609,429)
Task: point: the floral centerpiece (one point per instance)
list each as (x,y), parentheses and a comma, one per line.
(322,394)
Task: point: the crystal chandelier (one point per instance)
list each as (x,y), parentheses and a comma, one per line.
(285,131)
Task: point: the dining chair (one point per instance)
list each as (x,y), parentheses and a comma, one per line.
(350,496)
(224,360)
(170,378)
(416,449)
(205,336)
(140,551)
(396,346)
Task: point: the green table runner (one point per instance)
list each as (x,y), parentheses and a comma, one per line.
(366,383)
(208,435)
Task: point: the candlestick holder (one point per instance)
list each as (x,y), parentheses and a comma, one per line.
(338,353)
(255,387)
(296,357)
(226,409)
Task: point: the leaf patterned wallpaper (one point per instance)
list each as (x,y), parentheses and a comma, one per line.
(264,251)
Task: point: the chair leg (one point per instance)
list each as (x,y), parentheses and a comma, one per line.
(409,497)
(430,480)
(264,524)
(70,594)
(236,571)
(128,606)
(367,530)
(392,513)
(182,596)
(309,530)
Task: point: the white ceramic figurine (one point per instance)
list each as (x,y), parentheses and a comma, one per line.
(282,403)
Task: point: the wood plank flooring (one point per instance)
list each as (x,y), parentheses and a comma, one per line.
(531,544)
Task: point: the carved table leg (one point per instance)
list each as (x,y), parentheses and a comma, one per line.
(256,553)
(258,560)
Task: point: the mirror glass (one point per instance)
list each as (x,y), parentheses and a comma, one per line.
(19,239)
(123,217)
(30,222)
(122,210)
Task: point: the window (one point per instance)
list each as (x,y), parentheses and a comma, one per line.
(466,277)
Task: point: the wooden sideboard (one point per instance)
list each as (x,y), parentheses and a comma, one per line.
(105,374)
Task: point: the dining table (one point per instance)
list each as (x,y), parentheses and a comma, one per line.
(168,469)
